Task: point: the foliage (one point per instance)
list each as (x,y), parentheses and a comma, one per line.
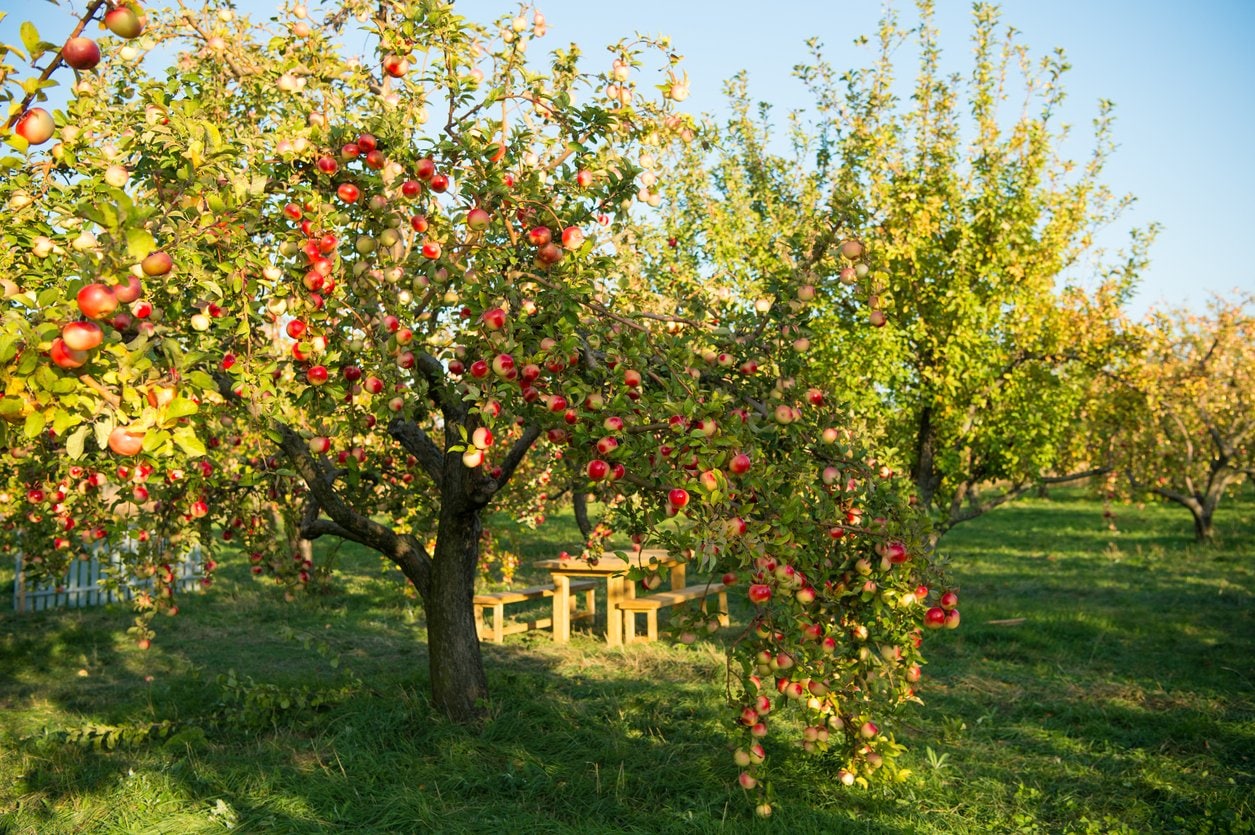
(275,291)
(971,342)
(1180,424)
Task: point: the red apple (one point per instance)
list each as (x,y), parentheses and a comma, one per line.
(35,126)
(949,600)
(125,441)
(157,263)
(739,464)
(572,237)
(598,469)
(129,291)
(479,369)
(124,22)
(317,375)
(478,219)
(425,168)
(64,356)
(678,497)
(81,53)
(396,65)
(81,336)
(935,618)
(97,301)
(759,593)
(439,183)
(348,192)
(494,319)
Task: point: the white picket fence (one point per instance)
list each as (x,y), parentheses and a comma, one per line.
(81,585)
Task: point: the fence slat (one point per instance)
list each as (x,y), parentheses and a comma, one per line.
(81,584)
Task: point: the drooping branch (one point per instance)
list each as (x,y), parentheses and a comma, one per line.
(418,443)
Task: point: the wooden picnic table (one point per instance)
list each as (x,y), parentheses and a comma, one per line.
(618,587)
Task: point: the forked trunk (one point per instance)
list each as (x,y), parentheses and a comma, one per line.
(458,683)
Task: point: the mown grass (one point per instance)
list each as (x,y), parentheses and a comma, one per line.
(1123,702)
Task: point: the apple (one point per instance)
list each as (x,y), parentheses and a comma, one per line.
(348,192)
(759,593)
(678,497)
(494,319)
(935,618)
(877,318)
(631,378)
(482,437)
(81,53)
(125,441)
(35,126)
(952,619)
(319,445)
(869,730)
(949,600)
(157,263)
(572,237)
(425,169)
(539,235)
(478,219)
(128,292)
(317,375)
(124,22)
(431,250)
(597,469)
(740,464)
(479,369)
(549,254)
(64,356)
(897,553)
(81,336)
(97,301)
(503,365)
(439,183)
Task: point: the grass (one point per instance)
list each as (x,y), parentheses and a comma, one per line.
(1122,703)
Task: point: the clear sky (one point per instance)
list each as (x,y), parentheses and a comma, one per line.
(1182,76)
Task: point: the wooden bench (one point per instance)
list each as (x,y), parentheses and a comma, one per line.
(496,601)
(650,605)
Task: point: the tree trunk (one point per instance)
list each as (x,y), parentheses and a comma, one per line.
(579,500)
(924,469)
(458,683)
(1203,531)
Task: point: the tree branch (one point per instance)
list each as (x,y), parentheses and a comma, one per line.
(406,552)
(419,444)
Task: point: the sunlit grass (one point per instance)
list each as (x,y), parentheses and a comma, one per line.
(1122,702)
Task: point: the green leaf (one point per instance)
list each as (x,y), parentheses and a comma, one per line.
(35,423)
(30,38)
(74,443)
(185,437)
(139,243)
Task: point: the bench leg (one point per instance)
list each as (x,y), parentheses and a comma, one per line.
(498,623)
(591,603)
(561,608)
(723,609)
(481,628)
(651,624)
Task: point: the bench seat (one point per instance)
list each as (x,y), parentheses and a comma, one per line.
(650,604)
(497,601)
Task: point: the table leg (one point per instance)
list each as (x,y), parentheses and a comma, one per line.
(561,608)
(614,615)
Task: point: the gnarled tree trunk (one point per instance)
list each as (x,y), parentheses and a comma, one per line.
(458,682)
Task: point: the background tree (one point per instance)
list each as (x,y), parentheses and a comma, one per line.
(359,292)
(971,347)
(1181,424)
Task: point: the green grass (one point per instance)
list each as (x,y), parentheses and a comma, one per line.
(1122,703)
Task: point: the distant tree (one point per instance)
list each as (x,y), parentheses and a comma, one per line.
(1181,423)
(970,343)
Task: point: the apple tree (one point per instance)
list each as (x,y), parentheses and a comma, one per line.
(271,284)
(970,345)
(1179,424)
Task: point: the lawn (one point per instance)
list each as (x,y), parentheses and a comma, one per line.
(1123,701)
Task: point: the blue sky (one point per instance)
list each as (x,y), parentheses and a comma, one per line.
(1182,77)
